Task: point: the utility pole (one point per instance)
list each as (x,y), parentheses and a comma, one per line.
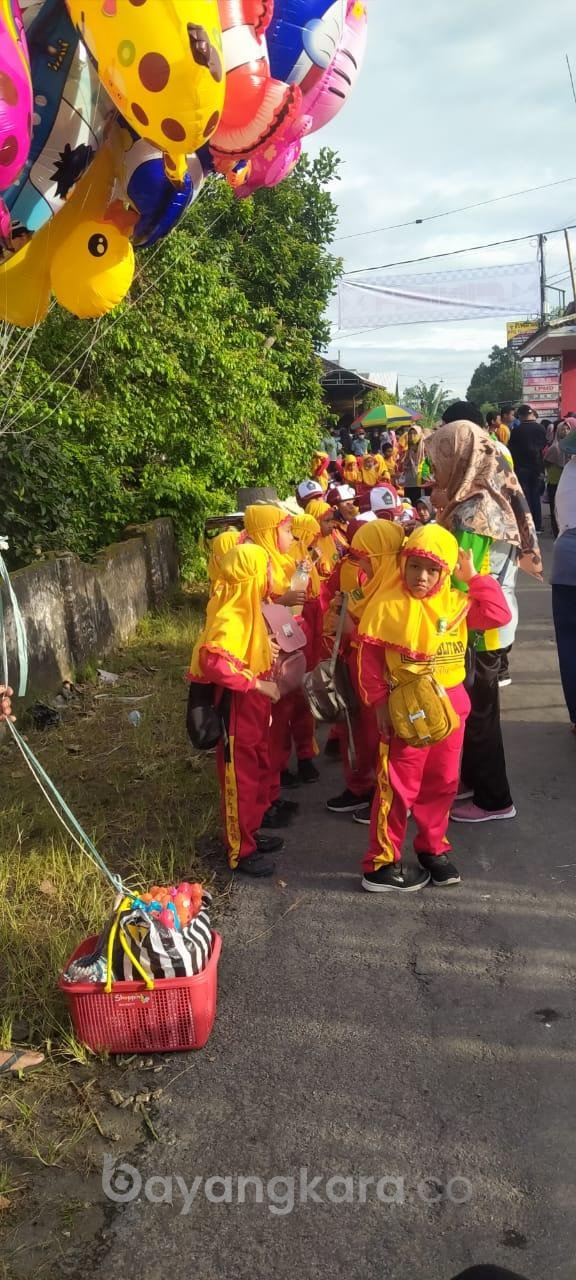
(542,262)
(570,263)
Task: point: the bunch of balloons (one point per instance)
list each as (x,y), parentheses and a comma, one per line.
(113,113)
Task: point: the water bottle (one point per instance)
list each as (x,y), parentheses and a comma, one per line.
(299,581)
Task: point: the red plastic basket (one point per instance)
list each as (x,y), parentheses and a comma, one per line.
(177,1014)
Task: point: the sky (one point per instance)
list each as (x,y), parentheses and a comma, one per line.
(456,103)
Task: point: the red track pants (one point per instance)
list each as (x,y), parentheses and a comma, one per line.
(423,779)
(366,740)
(292,720)
(245,779)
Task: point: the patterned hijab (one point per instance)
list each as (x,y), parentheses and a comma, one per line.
(482,494)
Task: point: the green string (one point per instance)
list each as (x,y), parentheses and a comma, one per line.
(50,790)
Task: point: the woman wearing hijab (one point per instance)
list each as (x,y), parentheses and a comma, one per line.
(415,621)
(412,465)
(485,508)
(350,470)
(554,462)
(563,576)
(295,725)
(234,653)
(372,550)
(319,469)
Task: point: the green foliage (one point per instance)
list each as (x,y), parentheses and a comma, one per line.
(430,401)
(497,382)
(376,397)
(208,380)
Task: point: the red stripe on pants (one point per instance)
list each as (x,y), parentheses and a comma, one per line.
(245,778)
(366,738)
(423,779)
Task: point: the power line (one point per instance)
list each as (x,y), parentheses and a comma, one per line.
(453,253)
(465,208)
(571,78)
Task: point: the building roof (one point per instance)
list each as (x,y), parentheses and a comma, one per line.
(335,375)
(551,339)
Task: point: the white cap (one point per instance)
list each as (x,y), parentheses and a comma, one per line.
(384,500)
(343,492)
(310,489)
(366,517)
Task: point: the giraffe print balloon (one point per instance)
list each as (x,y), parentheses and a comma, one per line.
(164,71)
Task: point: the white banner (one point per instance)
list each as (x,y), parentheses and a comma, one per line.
(378,298)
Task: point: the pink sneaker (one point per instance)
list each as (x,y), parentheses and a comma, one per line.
(473,813)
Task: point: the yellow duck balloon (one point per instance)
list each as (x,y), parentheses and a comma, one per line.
(83,255)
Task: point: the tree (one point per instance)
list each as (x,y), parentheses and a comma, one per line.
(497,382)
(375,397)
(207,382)
(429,401)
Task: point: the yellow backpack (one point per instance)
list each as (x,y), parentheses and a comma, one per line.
(420,710)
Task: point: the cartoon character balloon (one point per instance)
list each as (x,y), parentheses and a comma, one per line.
(83,254)
(15,94)
(162,65)
(114,114)
(71,111)
(257,107)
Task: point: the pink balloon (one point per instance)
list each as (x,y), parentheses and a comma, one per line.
(322,100)
(15,94)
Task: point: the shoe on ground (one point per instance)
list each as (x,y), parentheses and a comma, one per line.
(442,871)
(347,802)
(285,806)
(307,771)
(332,749)
(362,816)
(504,682)
(268,844)
(256,864)
(275,818)
(289,779)
(464,793)
(471,812)
(393,879)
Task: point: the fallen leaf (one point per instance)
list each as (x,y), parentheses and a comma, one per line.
(48,888)
(73,749)
(5,1203)
(116,1097)
(283,884)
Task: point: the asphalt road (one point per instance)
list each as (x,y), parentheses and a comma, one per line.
(424,1039)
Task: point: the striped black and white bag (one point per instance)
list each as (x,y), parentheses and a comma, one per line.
(162,952)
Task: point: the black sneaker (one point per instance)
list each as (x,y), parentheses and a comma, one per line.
(393,879)
(256,864)
(285,806)
(307,772)
(332,749)
(362,816)
(442,871)
(275,818)
(289,779)
(268,844)
(348,802)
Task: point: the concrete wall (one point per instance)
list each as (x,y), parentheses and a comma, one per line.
(75,612)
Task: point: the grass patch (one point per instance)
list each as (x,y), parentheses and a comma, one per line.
(141,793)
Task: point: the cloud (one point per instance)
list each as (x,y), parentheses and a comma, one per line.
(455,104)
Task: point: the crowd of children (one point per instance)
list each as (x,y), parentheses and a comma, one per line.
(409,589)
